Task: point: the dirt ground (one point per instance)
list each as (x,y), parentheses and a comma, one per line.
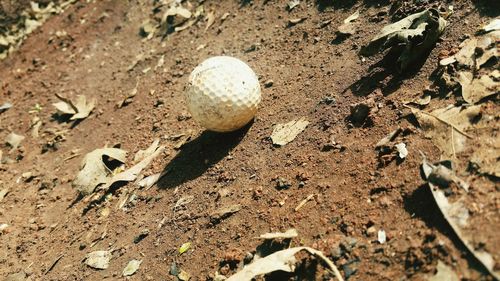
(315,73)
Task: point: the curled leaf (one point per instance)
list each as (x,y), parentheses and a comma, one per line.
(94,172)
(417,34)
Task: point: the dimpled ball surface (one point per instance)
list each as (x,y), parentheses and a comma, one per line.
(223,94)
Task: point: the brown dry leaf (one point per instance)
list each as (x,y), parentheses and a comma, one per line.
(457,215)
(283,260)
(224,212)
(132,173)
(285,133)
(446,126)
(210,20)
(425,99)
(474,90)
(466,54)
(80,109)
(291,233)
(94,172)
(416,35)
(129,97)
(14,140)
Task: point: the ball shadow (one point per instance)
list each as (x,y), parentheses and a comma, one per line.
(198,155)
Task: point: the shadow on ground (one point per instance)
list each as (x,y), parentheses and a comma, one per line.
(421,205)
(198,155)
(383,75)
(323,5)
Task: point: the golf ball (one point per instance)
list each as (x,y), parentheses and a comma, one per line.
(223,94)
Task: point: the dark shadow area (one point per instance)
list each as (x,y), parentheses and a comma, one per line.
(335,4)
(66,118)
(490,8)
(323,5)
(198,155)
(384,75)
(421,204)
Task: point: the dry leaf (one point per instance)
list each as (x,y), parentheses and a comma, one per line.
(3,193)
(141,154)
(14,140)
(444,273)
(285,133)
(224,16)
(457,215)
(446,127)
(210,20)
(80,109)
(352,17)
(387,139)
(417,33)
(129,97)
(36,123)
(98,259)
(402,151)
(491,26)
(132,173)
(149,181)
(131,267)
(474,90)
(94,172)
(6,105)
(292,4)
(291,233)
(292,22)
(466,54)
(224,212)
(283,260)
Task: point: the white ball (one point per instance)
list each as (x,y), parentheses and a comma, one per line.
(223,94)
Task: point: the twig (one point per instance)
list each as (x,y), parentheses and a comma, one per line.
(303,202)
(54,264)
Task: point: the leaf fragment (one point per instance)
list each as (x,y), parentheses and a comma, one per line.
(184,248)
(14,140)
(98,259)
(285,133)
(291,233)
(131,267)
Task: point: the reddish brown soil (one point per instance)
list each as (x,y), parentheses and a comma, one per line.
(352,190)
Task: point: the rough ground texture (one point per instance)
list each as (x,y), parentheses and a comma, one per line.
(316,75)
